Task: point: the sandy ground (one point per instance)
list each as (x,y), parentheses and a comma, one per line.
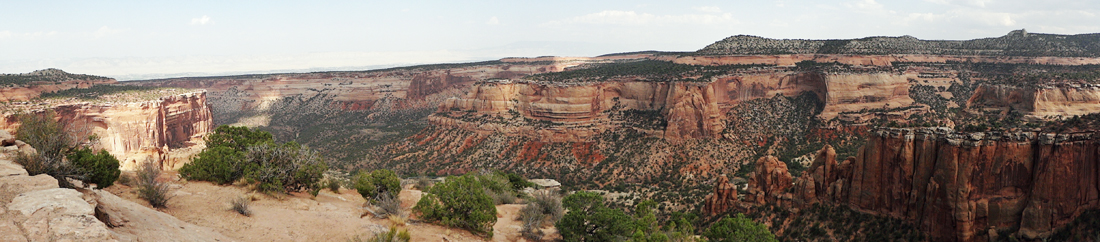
(301,217)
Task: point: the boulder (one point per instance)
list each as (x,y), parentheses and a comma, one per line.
(58,214)
(6,139)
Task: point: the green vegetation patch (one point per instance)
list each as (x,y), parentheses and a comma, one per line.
(125,92)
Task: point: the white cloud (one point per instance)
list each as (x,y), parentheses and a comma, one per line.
(975,3)
(869,7)
(105,31)
(27,35)
(708,9)
(927,17)
(634,18)
(201,20)
(493,21)
(993,19)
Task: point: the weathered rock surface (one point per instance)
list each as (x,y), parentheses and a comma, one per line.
(134,222)
(959,186)
(58,214)
(33,208)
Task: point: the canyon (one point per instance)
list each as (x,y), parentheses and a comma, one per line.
(675,127)
(164,126)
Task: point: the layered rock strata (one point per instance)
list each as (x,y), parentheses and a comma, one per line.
(1040,101)
(692,110)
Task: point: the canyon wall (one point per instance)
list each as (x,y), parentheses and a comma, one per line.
(963,186)
(691,109)
(138,131)
(1048,100)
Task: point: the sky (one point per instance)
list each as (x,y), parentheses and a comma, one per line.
(154,39)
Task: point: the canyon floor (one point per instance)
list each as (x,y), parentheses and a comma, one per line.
(301,217)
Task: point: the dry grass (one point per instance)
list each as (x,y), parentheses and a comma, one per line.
(387,207)
(242,206)
(151,189)
(393,235)
(544,207)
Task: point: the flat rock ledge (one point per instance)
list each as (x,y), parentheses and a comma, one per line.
(34,208)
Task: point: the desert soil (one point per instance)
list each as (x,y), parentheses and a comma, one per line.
(302,217)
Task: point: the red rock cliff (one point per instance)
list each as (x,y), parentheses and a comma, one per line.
(959,187)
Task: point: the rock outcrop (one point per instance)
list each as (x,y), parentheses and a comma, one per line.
(769,181)
(138,131)
(723,199)
(960,186)
(1040,101)
(34,208)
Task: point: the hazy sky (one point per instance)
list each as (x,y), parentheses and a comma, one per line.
(132,39)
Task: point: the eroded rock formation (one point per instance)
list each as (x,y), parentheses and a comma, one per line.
(138,131)
(961,186)
(723,199)
(769,181)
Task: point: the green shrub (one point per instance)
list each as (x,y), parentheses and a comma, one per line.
(374,184)
(100,168)
(589,219)
(220,164)
(518,182)
(738,228)
(459,202)
(333,185)
(284,167)
(233,153)
(237,138)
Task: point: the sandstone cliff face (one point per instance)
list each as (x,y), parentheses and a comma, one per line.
(1058,100)
(578,111)
(963,187)
(139,131)
(691,110)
